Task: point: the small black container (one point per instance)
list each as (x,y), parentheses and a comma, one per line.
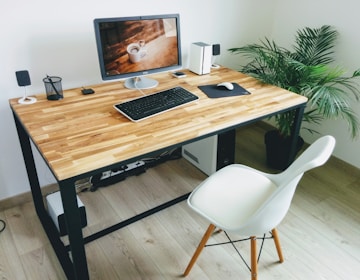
(53,88)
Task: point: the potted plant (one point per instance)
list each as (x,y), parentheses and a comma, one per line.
(307,70)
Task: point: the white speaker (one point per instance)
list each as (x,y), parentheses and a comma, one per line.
(56,212)
(200,58)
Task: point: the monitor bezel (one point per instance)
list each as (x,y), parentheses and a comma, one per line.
(121,76)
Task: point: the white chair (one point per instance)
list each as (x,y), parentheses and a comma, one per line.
(242,200)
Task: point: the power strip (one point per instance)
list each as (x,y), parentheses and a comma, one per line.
(114,176)
(123,169)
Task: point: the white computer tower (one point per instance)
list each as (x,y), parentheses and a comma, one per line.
(212,153)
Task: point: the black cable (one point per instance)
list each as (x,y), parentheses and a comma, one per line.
(3,225)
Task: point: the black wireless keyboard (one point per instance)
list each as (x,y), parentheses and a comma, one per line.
(154,104)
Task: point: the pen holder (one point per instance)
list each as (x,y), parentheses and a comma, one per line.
(53,88)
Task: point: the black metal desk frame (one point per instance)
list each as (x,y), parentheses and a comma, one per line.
(75,267)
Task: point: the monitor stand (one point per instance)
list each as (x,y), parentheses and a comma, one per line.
(140,83)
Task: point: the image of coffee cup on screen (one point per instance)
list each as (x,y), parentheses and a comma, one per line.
(136,51)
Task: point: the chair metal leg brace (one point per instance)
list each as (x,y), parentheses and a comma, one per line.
(232,242)
(253,243)
(236,249)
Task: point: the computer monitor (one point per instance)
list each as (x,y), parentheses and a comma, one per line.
(133,47)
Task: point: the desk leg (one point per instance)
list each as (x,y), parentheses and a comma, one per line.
(47,223)
(30,169)
(74,229)
(295,133)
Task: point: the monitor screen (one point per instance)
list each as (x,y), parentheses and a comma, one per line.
(132,47)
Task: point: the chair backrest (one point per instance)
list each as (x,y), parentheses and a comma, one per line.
(274,209)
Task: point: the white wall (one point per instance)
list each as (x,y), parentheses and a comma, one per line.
(57,38)
(293,15)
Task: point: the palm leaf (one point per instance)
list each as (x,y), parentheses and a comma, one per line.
(306,70)
(315,46)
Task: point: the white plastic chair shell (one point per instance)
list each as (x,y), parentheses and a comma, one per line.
(243,200)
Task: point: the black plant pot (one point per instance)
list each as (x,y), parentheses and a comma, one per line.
(278,149)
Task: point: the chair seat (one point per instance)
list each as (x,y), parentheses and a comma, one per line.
(231,195)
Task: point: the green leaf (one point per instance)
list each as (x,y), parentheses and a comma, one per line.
(307,70)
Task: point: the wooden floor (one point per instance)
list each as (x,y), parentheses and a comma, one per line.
(319,236)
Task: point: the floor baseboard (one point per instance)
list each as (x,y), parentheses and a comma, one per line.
(24,197)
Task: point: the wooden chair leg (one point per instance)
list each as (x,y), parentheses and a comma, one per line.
(201,246)
(253,258)
(277,244)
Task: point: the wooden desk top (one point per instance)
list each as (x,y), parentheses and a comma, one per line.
(83,133)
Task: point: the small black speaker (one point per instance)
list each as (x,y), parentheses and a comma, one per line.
(23,78)
(216,49)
